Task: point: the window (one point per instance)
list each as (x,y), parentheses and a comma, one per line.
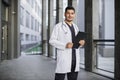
(32,22)
(27,37)
(21,36)
(27,19)
(36,6)
(38,27)
(35,38)
(32,3)
(35,25)
(38,11)
(31,37)
(21,15)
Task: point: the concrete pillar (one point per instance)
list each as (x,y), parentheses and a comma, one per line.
(17,52)
(50,25)
(11,15)
(13,31)
(95,30)
(95,17)
(44,27)
(70,2)
(0,31)
(57,21)
(102,19)
(61,13)
(89,40)
(95,33)
(117,40)
(57,11)
(75,5)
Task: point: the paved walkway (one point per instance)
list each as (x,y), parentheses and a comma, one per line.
(36,67)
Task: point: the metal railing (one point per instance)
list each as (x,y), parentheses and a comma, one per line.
(34,50)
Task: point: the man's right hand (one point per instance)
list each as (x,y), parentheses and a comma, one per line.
(69,45)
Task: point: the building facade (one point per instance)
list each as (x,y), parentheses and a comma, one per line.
(30,23)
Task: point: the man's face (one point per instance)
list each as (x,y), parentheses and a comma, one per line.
(69,15)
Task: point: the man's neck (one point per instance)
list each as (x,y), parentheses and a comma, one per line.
(69,22)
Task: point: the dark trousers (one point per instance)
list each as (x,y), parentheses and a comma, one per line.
(70,76)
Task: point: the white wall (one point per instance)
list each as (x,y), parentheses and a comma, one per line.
(81,15)
(95,19)
(109,19)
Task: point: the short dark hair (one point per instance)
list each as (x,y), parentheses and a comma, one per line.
(69,8)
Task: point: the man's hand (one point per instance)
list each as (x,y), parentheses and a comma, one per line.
(69,45)
(82,42)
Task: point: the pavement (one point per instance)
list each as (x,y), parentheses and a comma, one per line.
(36,67)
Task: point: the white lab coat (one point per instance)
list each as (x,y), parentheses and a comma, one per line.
(60,36)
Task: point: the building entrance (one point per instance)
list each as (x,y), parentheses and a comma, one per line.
(4,30)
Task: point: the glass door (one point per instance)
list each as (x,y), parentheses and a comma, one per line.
(4,43)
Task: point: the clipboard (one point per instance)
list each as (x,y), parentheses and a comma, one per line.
(78,37)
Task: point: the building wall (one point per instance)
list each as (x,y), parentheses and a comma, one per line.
(30,24)
(0,31)
(109,19)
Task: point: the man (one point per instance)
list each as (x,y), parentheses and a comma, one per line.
(62,38)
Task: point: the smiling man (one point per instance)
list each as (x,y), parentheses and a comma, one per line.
(62,38)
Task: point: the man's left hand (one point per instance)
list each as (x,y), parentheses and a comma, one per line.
(82,42)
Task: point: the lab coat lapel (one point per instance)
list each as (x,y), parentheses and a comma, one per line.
(67,31)
(75,28)
(65,27)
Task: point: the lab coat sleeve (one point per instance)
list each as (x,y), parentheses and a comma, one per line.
(54,39)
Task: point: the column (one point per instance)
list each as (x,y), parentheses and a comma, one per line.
(95,17)
(117,40)
(13,31)
(11,16)
(16,35)
(50,25)
(70,2)
(0,31)
(57,11)
(61,14)
(95,30)
(89,40)
(44,27)
(74,4)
